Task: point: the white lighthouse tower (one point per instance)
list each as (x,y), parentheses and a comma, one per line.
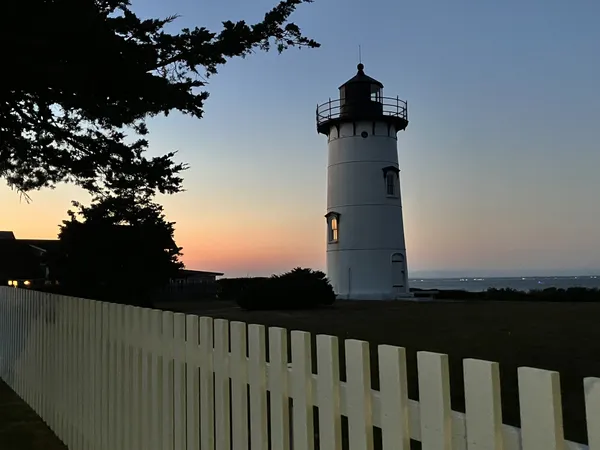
(366,252)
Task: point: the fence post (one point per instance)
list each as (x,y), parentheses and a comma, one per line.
(131,378)
(207,399)
(541,410)
(434,401)
(122,422)
(278,385)
(394,398)
(222,398)
(239,386)
(193,356)
(97,374)
(156,375)
(303,426)
(167,381)
(145,360)
(358,373)
(592,411)
(257,365)
(179,382)
(328,389)
(483,405)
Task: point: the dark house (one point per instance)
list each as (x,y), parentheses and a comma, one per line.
(24,262)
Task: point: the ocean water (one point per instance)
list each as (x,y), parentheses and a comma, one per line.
(518,283)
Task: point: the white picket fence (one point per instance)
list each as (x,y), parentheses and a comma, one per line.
(113,377)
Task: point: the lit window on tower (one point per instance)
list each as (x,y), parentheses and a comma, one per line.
(333,221)
(333,237)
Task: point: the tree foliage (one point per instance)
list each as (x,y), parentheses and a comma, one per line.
(79,75)
(301,288)
(119,248)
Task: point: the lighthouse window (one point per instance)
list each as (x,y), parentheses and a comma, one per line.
(390,181)
(333,221)
(375,93)
(333,235)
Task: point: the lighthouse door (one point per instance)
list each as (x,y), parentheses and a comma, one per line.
(398,273)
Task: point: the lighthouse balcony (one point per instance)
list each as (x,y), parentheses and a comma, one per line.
(384,109)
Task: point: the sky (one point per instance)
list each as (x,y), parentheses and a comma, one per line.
(500,162)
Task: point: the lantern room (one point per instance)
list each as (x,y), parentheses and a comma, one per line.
(361,95)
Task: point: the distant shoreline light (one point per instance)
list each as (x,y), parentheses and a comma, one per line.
(516,278)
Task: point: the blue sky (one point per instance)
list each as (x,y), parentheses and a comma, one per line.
(500,162)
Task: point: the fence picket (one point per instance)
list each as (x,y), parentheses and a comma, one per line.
(44,356)
(27,360)
(278,386)
(81,375)
(67,372)
(434,401)
(167,380)
(40,316)
(105,365)
(179,383)
(302,426)
(592,411)
(207,399)
(116,379)
(257,376)
(156,374)
(541,410)
(131,381)
(483,406)
(192,347)
(328,388)
(358,374)
(239,386)
(146,367)
(394,398)
(222,400)
(60,369)
(96,370)
(125,392)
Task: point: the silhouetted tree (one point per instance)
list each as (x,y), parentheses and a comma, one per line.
(78,75)
(122,250)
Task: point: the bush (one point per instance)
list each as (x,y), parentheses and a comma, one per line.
(298,289)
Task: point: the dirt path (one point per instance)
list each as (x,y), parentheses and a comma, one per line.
(21,428)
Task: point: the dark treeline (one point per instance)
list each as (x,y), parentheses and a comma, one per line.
(572,294)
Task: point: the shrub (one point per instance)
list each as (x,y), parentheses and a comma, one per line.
(297,289)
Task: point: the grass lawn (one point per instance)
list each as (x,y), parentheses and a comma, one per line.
(21,428)
(558,336)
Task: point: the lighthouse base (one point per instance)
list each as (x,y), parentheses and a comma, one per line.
(368,274)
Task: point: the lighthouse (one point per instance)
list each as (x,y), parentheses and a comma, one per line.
(366,251)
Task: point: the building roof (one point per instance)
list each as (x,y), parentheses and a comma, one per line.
(42,244)
(190,273)
(361,77)
(47,245)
